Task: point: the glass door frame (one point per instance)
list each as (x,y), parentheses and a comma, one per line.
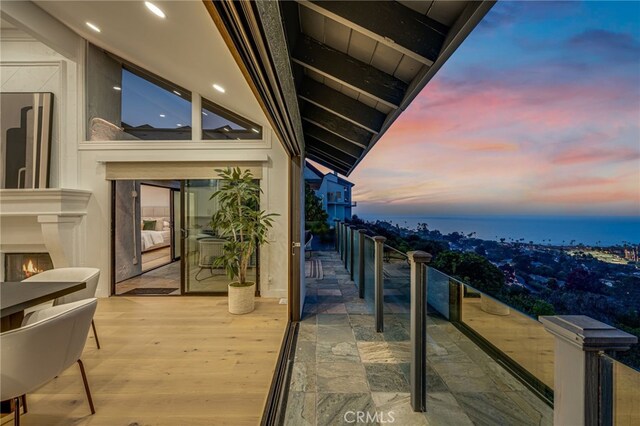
(184,234)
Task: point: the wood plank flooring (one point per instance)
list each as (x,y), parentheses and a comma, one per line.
(169,361)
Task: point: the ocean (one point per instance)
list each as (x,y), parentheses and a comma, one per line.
(589,230)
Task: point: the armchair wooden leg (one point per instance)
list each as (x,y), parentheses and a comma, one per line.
(86,386)
(95,333)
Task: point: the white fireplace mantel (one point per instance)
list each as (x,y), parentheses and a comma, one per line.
(59,213)
(49,201)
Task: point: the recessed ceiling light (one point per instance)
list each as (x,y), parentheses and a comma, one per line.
(177,93)
(179,125)
(204,113)
(225,129)
(219,88)
(118,88)
(255,130)
(94,27)
(155,9)
(162,115)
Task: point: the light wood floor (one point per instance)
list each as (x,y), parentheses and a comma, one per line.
(169,361)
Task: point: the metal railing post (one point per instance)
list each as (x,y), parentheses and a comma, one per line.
(606,391)
(336,225)
(579,341)
(361,239)
(418,332)
(379,282)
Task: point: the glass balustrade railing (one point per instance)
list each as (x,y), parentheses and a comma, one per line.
(439,288)
(626,394)
(515,337)
(369,272)
(356,257)
(396,273)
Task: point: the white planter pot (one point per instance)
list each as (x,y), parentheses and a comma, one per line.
(490,306)
(241,299)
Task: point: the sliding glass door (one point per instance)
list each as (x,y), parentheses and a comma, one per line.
(202,242)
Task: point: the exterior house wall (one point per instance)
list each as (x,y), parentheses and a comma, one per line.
(80,164)
(336,209)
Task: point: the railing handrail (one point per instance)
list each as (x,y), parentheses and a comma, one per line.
(396,250)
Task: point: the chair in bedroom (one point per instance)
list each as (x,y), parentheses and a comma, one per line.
(77,274)
(49,341)
(209,249)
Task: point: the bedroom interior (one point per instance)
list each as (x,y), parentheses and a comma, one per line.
(146,243)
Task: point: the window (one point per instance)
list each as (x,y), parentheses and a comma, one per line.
(219,123)
(153,112)
(125,102)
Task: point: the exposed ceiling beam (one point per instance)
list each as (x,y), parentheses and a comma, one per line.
(341,127)
(341,105)
(329,150)
(349,71)
(327,163)
(389,23)
(332,139)
(337,160)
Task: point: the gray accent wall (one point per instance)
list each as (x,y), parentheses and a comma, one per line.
(103,73)
(127,233)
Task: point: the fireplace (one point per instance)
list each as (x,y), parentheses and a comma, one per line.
(18,266)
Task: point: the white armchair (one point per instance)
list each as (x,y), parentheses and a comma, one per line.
(75,274)
(49,342)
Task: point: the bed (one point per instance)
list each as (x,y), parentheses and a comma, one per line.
(152,240)
(158,236)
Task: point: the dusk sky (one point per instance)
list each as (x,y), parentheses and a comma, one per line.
(538,112)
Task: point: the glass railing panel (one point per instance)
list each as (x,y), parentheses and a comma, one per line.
(518,336)
(348,252)
(438,291)
(396,272)
(356,258)
(626,395)
(369,272)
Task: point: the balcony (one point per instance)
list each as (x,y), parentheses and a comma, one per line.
(485,363)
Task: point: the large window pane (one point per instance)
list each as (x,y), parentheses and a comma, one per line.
(152,112)
(125,102)
(222,124)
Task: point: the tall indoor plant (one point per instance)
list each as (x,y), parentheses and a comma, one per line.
(244,226)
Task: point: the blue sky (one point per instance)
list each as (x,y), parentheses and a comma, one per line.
(537,113)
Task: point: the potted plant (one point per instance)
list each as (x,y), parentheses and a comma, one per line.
(244,226)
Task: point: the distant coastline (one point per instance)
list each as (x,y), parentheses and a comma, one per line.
(552,230)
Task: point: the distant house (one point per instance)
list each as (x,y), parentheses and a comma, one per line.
(333,190)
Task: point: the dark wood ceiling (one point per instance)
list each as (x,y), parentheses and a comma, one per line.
(358,64)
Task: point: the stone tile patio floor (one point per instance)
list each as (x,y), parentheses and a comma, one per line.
(342,367)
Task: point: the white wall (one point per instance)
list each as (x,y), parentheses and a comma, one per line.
(153,196)
(273,260)
(81,164)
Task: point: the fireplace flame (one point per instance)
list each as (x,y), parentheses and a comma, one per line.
(30,270)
